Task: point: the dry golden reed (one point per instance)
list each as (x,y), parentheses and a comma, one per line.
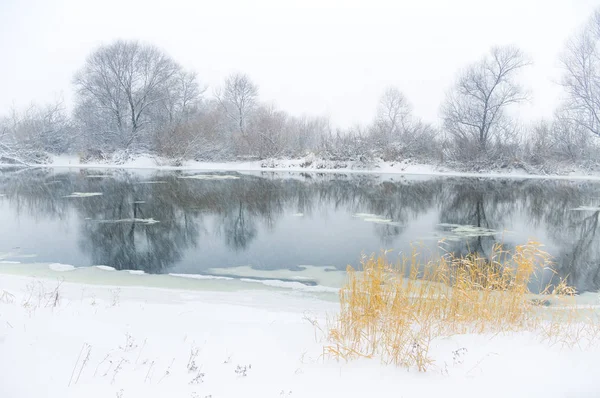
(393,311)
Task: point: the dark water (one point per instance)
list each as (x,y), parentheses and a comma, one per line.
(282,221)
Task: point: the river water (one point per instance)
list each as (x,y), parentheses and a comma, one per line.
(275,225)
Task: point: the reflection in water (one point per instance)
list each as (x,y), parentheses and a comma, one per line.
(211,223)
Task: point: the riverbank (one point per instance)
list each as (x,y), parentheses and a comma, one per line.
(61,339)
(311,164)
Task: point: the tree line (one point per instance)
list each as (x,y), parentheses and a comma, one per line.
(132,97)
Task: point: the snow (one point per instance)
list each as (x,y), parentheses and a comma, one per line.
(380,167)
(99,341)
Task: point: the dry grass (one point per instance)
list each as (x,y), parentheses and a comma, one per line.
(394,311)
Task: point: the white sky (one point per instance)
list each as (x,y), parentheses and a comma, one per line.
(330,57)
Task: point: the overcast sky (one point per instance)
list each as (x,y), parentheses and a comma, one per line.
(331,57)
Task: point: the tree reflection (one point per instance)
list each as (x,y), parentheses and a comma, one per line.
(238,211)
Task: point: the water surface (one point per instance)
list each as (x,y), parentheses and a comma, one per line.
(279,225)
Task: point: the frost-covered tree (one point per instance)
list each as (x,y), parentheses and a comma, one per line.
(581,78)
(25,135)
(396,133)
(239,98)
(124,91)
(475,110)
(393,115)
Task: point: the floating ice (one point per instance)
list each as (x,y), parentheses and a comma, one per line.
(320,275)
(147,221)
(61,267)
(293,285)
(365,215)
(98,176)
(16,255)
(211,177)
(105,267)
(377,220)
(136,272)
(9,262)
(458,231)
(152,182)
(581,208)
(298,215)
(374,218)
(83,194)
(197,276)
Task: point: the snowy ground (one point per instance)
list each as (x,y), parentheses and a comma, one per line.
(80,340)
(312,164)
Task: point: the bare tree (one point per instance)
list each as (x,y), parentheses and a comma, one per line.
(119,86)
(393,114)
(238,98)
(181,99)
(269,132)
(581,79)
(474,111)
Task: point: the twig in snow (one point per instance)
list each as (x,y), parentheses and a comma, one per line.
(191,365)
(100,364)
(167,372)
(83,347)
(148,377)
(480,361)
(118,369)
(140,353)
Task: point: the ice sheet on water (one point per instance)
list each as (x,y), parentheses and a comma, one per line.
(5,255)
(468,230)
(293,285)
(374,218)
(459,232)
(198,276)
(298,215)
(587,208)
(136,272)
(147,221)
(152,182)
(83,194)
(322,276)
(105,267)
(60,267)
(365,215)
(211,177)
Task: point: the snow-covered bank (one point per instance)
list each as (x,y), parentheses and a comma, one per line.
(73,340)
(311,164)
